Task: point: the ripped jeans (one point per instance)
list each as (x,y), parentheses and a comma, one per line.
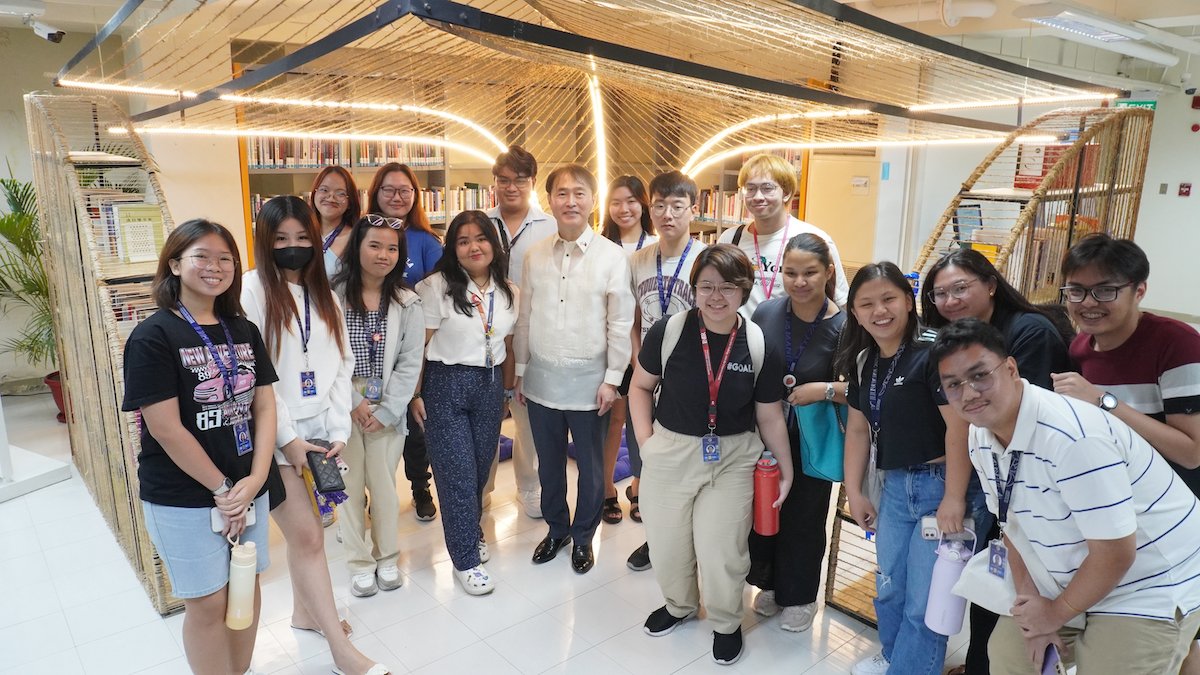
(906,565)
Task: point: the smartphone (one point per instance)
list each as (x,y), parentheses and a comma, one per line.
(218,521)
(1052,662)
(931,531)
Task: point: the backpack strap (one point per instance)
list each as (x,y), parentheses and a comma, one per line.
(737,234)
(671,335)
(758,349)
(754,340)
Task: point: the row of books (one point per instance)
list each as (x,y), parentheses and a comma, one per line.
(435,201)
(717,204)
(126,228)
(268,152)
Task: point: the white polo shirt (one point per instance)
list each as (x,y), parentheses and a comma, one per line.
(459,339)
(1086,475)
(536,226)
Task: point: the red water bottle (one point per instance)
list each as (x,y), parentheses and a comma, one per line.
(766,491)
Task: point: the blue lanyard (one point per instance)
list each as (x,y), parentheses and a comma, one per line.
(487,320)
(793,359)
(305,328)
(664,294)
(228,372)
(332,236)
(875,398)
(1004,492)
(641,241)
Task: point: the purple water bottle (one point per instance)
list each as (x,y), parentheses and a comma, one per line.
(944,610)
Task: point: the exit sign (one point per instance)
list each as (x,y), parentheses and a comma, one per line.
(1148,105)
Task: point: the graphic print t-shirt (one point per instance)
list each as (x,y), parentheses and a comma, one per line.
(165,359)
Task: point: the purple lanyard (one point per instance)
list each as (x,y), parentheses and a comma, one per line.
(875,399)
(787,337)
(228,372)
(664,294)
(332,236)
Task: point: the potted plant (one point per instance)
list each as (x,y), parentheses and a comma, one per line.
(23,282)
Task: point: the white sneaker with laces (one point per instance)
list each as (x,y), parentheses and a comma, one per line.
(389,577)
(764,604)
(363,585)
(798,618)
(876,665)
(531,502)
(484,555)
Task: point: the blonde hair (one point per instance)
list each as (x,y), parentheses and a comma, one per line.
(774,166)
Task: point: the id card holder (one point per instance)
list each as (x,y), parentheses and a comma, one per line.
(997,558)
(710,448)
(308,383)
(373,390)
(241,434)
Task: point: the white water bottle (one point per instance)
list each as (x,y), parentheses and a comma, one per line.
(944,610)
(239,608)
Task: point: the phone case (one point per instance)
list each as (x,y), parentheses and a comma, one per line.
(326,475)
(217,522)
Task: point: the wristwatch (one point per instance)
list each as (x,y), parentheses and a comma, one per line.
(224,487)
(828,391)
(1108,401)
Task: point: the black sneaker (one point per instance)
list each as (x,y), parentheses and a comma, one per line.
(639,560)
(423,503)
(660,622)
(727,647)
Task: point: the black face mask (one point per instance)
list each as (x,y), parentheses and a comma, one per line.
(292,257)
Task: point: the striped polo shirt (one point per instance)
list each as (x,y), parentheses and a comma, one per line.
(1086,475)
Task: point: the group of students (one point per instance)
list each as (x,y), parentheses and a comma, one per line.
(706,355)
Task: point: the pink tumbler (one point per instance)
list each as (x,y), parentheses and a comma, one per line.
(766,491)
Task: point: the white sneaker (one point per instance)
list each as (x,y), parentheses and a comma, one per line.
(764,604)
(363,585)
(876,665)
(798,618)
(484,555)
(531,502)
(389,577)
(475,581)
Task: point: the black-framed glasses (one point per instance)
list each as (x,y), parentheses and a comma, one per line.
(389,192)
(206,262)
(1102,293)
(520,181)
(980,382)
(325,193)
(376,220)
(957,290)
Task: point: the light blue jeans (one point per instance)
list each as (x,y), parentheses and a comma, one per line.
(906,565)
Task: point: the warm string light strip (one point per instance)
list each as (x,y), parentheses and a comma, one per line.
(726,132)
(126,89)
(801,145)
(313,135)
(1008,102)
(601,142)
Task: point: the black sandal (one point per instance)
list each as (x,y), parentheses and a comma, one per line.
(635,512)
(611,512)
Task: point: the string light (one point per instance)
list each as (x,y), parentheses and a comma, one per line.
(1000,103)
(601,142)
(126,89)
(783,117)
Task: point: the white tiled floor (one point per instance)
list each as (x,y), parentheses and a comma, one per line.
(69,602)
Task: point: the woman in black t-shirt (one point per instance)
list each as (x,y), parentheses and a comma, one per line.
(718,381)
(898,414)
(805,327)
(200,378)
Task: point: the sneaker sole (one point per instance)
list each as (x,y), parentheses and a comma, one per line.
(730,662)
(426,519)
(635,568)
(362,594)
(795,629)
(665,631)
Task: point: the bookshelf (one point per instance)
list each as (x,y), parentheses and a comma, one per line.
(721,204)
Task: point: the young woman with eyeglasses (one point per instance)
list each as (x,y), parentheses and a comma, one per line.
(898,416)
(396,193)
(288,296)
(719,402)
(384,329)
(199,376)
(470,313)
(964,284)
(334,197)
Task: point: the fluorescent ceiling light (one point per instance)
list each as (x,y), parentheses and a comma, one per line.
(1084,27)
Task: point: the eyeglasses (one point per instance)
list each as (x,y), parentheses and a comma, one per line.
(376,220)
(203,261)
(957,291)
(980,382)
(325,193)
(728,290)
(389,192)
(659,208)
(767,189)
(1106,293)
(520,181)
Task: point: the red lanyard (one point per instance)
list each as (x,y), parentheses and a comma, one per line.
(714,381)
(778,259)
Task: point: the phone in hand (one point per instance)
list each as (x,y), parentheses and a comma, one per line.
(218,521)
(1052,662)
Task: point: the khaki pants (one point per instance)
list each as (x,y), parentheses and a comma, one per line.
(524,456)
(698,515)
(373,459)
(1108,644)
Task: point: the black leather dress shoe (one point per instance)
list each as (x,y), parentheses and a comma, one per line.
(582,558)
(548,548)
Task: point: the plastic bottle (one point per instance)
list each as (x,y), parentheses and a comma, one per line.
(239,608)
(944,610)
(766,491)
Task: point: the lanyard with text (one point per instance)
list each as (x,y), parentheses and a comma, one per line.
(308,378)
(997,552)
(876,392)
(373,390)
(758,260)
(332,237)
(664,293)
(489,358)
(241,430)
(641,241)
(710,444)
(789,378)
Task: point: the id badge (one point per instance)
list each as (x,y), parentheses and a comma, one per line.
(997,558)
(710,448)
(241,433)
(489,359)
(308,383)
(373,390)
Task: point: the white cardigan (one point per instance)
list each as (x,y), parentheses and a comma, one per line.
(403,350)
